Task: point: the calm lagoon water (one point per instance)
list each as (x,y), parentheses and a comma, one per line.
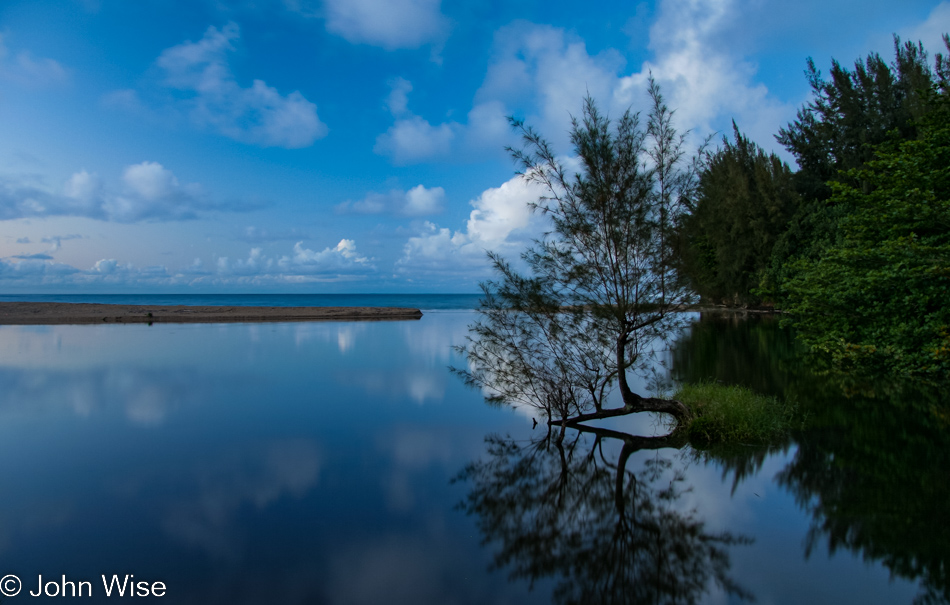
(343,463)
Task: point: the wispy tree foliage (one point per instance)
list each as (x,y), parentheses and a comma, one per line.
(602,286)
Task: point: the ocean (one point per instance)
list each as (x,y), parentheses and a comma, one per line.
(425,302)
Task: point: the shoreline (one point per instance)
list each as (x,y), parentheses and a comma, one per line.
(51,313)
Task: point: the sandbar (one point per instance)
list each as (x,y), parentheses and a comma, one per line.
(46,313)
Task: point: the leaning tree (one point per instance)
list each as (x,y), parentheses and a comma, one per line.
(602,285)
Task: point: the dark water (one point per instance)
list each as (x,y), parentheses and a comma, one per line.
(343,463)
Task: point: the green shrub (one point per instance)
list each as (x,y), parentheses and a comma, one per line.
(733,414)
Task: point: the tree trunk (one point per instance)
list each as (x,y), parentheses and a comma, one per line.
(633,403)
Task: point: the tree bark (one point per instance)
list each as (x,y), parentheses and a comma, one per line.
(673,407)
(633,403)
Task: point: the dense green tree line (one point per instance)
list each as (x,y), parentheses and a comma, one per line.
(746,199)
(879,296)
(856,242)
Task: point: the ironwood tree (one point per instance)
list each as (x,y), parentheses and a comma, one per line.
(602,287)
(743,205)
(835,135)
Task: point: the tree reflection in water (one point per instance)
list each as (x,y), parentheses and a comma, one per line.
(568,508)
(872,471)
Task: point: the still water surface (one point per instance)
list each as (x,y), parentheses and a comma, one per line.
(343,463)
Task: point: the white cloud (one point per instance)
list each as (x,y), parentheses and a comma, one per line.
(418,201)
(533,66)
(501,221)
(27,70)
(146,192)
(501,211)
(931,31)
(487,127)
(106,266)
(413,139)
(35,271)
(706,84)
(341,258)
(542,73)
(398,99)
(18,200)
(152,192)
(83,186)
(213,99)
(390,24)
(339,263)
(150,180)
(421,201)
(302,265)
(546,72)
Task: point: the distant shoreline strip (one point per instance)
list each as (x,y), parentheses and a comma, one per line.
(46,313)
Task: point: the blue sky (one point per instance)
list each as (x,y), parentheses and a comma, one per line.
(354,145)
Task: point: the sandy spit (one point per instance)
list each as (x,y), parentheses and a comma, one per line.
(36,313)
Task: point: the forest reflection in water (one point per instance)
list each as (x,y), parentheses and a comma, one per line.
(872,462)
(869,466)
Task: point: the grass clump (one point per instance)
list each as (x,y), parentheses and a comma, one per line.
(733,414)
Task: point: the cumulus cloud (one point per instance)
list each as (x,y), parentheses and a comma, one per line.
(390,24)
(398,100)
(342,258)
(413,139)
(208,94)
(146,192)
(931,31)
(83,186)
(27,70)
(18,200)
(501,220)
(703,80)
(35,271)
(417,201)
(542,72)
(338,263)
(535,68)
(301,265)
